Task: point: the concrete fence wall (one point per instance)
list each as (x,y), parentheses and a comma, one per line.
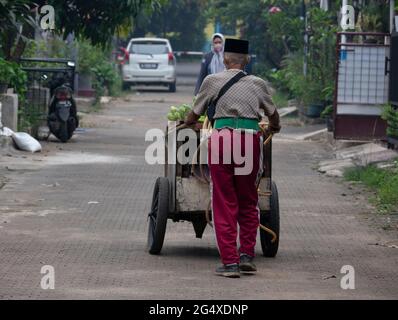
(9,111)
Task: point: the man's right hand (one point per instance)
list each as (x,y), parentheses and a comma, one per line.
(274,130)
(274,123)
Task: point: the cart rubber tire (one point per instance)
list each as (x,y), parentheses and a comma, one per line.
(158,215)
(271,220)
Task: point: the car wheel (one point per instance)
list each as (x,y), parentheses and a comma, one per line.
(172,87)
(126,86)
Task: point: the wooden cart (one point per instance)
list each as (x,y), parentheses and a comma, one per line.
(183,194)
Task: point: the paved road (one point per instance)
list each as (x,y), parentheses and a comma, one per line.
(82,208)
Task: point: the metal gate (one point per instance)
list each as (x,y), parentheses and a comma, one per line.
(394,69)
(362,85)
(42,75)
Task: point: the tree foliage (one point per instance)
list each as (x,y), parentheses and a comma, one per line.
(278,39)
(13,14)
(181,21)
(271,36)
(96,20)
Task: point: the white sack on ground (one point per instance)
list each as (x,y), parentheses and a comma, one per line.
(26,142)
(4,131)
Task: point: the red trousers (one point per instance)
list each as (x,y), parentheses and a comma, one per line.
(234,193)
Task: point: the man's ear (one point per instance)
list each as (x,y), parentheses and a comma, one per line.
(249,58)
(226,62)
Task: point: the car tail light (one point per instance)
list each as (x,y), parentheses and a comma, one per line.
(123,56)
(126,56)
(120,59)
(171,58)
(63,94)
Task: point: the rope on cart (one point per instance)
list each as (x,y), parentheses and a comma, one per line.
(263,127)
(202,178)
(272,233)
(208,214)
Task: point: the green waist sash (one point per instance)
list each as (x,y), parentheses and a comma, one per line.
(237,123)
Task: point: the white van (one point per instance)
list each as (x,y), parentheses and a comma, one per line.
(151,62)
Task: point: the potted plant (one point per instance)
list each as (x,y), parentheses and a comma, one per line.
(89,57)
(390,114)
(105,79)
(312,98)
(327,114)
(368,22)
(314,110)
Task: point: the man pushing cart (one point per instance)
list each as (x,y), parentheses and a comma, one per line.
(239,158)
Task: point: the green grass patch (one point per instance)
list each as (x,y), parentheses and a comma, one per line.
(384,182)
(95,107)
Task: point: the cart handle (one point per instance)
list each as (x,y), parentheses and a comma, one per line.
(268,139)
(264,126)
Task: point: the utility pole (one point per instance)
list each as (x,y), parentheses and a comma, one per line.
(324,5)
(306,37)
(343,37)
(392,16)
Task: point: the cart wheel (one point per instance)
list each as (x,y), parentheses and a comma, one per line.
(158,216)
(270,219)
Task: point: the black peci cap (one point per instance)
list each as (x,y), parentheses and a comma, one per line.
(236,46)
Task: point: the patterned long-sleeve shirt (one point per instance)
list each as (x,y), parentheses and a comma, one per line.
(249,98)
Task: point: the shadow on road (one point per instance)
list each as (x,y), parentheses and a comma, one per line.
(150,89)
(198,253)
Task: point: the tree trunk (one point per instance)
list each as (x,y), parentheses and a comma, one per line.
(27,32)
(8,44)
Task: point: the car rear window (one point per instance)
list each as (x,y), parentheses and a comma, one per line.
(149,47)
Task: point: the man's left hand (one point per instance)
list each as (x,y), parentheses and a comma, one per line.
(191,118)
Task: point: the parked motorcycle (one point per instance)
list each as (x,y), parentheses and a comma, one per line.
(62,114)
